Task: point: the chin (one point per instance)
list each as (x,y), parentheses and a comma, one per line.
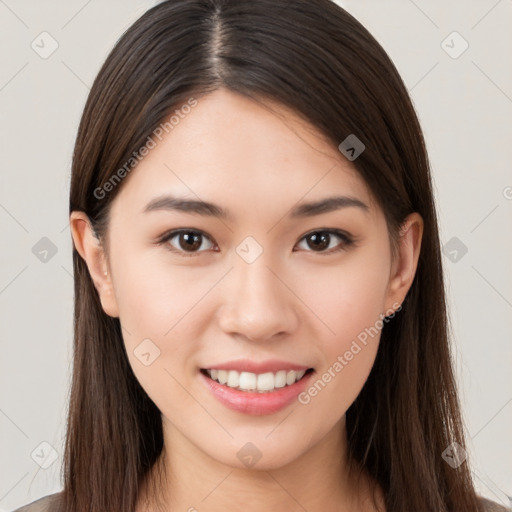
(259,454)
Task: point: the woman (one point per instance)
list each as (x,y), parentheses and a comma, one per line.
(260,317)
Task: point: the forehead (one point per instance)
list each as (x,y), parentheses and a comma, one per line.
(251,158)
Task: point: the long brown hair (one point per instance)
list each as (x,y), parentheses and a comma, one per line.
(315,58)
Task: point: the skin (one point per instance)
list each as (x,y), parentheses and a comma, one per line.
(295,302)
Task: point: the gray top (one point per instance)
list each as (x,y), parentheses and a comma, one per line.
(45,504)
(49,504)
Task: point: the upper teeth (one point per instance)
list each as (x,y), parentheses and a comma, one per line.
(247,381)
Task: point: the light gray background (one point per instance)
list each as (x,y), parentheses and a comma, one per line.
(464,105)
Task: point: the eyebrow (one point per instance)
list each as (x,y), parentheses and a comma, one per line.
(329,204)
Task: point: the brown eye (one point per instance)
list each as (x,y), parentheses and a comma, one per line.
(320,241)
(187,241)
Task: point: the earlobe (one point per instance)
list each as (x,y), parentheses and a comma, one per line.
(404,268)
(91,251)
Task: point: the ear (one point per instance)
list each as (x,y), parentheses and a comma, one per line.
(406,261)
(91,250)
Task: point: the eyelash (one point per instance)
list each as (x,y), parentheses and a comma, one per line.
(347,240)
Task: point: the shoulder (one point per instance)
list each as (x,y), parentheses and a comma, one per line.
(46,504)
(491,506)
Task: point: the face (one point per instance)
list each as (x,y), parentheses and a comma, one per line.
(267,288)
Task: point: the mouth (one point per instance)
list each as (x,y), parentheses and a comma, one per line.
(268,382)
(255,387)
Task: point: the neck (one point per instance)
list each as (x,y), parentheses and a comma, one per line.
(319,479)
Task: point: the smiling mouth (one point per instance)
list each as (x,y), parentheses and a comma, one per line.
(256,383)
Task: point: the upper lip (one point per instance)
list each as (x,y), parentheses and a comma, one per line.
(246,365)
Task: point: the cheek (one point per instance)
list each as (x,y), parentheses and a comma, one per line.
(155,308)
(348,298)
(153,296)
(160,311)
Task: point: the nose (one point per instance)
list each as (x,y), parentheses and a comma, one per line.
(258,303)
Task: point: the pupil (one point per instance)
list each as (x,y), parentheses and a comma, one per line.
(323,240)
(192,240)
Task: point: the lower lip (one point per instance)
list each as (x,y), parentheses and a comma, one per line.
(257,404)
